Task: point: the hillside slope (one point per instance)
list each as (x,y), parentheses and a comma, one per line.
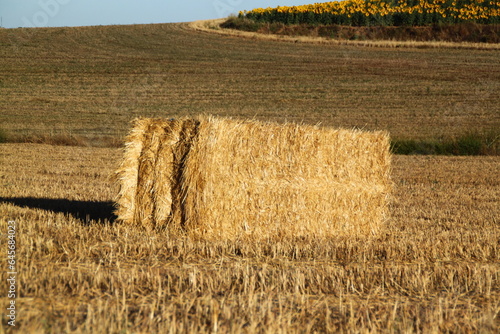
(91,81)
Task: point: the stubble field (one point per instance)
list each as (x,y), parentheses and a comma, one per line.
(435,268)
(92,81)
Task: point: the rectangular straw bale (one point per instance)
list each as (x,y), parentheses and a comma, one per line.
(127,174)
(271,180)
(150,169)
(222,178)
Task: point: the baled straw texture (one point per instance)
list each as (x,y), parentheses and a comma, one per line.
(149,176)
(271,180)
(232,179)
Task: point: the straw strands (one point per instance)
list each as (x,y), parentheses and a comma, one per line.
(221,178)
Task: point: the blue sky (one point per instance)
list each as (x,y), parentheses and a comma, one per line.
(58,13)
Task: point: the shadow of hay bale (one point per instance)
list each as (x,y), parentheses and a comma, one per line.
(86,211)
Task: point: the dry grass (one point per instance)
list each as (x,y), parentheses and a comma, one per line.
(219,178)
(434,269)
(214,26)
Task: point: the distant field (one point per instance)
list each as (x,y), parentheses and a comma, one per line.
(435,267)
(92,81)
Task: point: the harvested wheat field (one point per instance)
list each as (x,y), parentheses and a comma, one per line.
(223,178)
(435,268)
(103,77)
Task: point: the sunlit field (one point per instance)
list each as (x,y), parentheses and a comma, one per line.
(91,81)
(434,267)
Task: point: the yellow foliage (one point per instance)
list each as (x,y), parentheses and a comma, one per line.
(462,10)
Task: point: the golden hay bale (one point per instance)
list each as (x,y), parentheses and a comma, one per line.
(150,172)
(221,178)
(128,173)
